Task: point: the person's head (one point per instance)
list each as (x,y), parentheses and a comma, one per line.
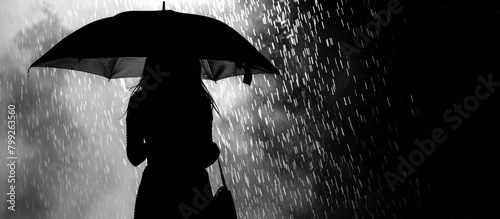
(174,71)
(174,75)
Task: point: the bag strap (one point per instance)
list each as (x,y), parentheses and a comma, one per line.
(221,173)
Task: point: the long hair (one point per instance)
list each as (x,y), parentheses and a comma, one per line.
(160,69)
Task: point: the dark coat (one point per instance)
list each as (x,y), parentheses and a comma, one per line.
(171,126)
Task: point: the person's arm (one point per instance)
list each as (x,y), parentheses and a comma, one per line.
(136,151)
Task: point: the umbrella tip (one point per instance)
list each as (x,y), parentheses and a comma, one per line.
(164,5)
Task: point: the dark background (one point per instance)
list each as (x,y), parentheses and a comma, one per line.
(436,51)
(315,143)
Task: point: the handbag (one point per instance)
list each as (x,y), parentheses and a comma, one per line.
(221,206)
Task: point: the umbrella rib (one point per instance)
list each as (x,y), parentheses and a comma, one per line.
(74,64)
(112,64)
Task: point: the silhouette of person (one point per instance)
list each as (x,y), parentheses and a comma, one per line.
(169,123)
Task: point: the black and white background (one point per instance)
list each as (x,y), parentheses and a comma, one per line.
(319,142)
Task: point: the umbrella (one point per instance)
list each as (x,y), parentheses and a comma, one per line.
(117,47)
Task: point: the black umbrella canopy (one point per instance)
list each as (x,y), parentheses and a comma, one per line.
(116,47)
